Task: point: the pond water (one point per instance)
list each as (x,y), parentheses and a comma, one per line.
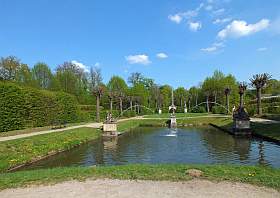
(204,145)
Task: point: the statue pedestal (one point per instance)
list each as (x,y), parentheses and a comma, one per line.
(159,111)
(110,129)
(186,110)
(241,123)
(173,122)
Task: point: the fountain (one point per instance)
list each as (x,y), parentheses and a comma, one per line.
(172,108)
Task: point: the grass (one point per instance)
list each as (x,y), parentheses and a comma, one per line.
(246,174)
(268,130)
(178,115)
(20,151)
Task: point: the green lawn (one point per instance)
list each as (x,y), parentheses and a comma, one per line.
(20,151)
(178,115)
(268,130)
(247,174)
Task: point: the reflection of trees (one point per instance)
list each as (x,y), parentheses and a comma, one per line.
(224,145)
(262,160)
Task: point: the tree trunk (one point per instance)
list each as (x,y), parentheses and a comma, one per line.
(189,104)
(227,105)
(111,105)
(215,95)
(241,101)
(181,103)
(97,108)
(131,105)
(121,105)
(259,99)
(196,98)
(207,104)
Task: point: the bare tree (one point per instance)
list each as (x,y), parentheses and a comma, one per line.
(227,92)
(97,88)
(259,81)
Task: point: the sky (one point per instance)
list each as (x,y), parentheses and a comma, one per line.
(176,42)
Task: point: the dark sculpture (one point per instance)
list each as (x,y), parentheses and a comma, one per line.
(240,113)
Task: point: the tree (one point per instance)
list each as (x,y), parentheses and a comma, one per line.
(42,75)
(193,92)
(72,78)
(227,92)
(135,78)
(259,81)
(9,67)
(165,91)
(118,88)
(23,75)
(97,88)
(180,95)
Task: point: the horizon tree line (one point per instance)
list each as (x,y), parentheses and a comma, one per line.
(118,94)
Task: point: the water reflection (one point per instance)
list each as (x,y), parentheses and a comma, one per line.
(161,145)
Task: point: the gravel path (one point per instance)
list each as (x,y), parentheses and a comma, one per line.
(141,189)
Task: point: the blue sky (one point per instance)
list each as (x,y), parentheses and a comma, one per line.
(178,42)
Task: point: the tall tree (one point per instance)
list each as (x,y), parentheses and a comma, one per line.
(9,67)
(42,75)
(97,88)
(23,75)
(135,78)
(118,87)
(180,95)
(259,81)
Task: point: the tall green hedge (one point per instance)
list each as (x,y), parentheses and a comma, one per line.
(22,107)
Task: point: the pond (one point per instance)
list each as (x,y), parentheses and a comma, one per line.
(204,145)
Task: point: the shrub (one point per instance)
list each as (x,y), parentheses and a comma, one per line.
(198,109)
(22,107)
(219,110)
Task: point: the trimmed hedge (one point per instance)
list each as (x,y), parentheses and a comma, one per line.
(24,107)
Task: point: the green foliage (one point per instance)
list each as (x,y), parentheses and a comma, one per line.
(218,110)
(22,107)
(198,109)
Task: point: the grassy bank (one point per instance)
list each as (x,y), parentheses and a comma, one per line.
(247,174)
(268,130)
(20,151)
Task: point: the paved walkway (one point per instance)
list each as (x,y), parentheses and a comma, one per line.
(105,188)
(264,121)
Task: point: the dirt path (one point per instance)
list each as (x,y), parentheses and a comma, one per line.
(264,121)
(141,189)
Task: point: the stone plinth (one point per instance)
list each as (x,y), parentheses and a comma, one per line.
(159,111)
(173,122)
(110,129)
(241,122)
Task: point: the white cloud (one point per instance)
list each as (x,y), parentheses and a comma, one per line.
(214,47)
(261,49)
(80,65)
(221,21)
(180,16)
(209,7)
(219,11)
(97,64)
(177,18)
(194,26)
(138,59)
(162,55)
(238,29)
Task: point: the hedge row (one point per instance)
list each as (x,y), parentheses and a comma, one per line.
(24,107)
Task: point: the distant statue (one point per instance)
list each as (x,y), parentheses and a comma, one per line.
(109,118)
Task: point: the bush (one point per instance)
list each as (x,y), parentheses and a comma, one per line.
(219,110)
(198,109)
(22,107)
(273,110)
